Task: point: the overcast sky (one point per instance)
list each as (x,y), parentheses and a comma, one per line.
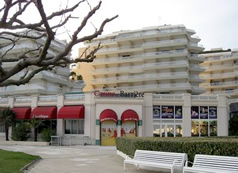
(215,21)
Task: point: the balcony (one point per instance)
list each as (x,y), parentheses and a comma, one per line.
(118,70)
(220,84)
(139,78)
(135,48)
(219,76)
(163,65)
(137,58)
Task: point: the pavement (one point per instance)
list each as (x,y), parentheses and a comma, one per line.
(75,159)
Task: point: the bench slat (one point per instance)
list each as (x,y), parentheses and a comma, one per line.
(214,164)
(158,159)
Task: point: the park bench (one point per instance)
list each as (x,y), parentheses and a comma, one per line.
(213,164)
(157,159)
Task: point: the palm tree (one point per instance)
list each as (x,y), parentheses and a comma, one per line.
(7,118)
(35,123)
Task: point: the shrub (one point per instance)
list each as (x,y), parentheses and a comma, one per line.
(21,132)
(224,146)
(46,134)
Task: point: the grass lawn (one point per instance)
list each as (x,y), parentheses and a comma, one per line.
(12,162)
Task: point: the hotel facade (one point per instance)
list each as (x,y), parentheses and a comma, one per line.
(160,60)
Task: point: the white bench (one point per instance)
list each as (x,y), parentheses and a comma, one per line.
(157,159)
(213,164)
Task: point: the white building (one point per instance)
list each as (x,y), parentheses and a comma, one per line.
(221,75)
(159,59)
(45,82)
(99,117)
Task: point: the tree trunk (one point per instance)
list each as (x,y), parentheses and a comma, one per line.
(6,132)
(35,134)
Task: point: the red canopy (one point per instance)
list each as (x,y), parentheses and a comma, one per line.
(129,115)
(22,113)
(108,114)
(44,112)
(71,112)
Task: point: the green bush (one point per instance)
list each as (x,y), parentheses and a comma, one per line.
(46,134)
(21,132)
(224,146)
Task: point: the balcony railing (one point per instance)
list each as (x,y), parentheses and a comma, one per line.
(50,98)
(23,99)
(74,97)
(194,97)
(145,55)
(3,100)
(144,76)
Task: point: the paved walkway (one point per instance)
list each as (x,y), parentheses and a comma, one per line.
(75,159)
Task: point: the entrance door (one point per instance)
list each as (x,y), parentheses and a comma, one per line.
(108,133)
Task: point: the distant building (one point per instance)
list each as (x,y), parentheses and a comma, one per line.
(159,60)
(221,75)
(45,82)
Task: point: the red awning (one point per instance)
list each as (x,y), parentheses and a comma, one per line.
(107,115)
(22,113)
(44,112)
(71,112)
(129,115)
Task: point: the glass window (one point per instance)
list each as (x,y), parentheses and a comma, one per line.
(156,131)
(179,131)
(204,128)
(74,126)
(195,128)
(213,128)
(205,123)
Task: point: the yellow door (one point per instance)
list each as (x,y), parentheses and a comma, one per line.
(108,133)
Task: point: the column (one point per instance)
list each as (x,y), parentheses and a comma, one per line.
(60,122)
(147,116)
(119,128)
(187,124)
(222,116)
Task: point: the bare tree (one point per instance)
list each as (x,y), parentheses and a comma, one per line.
(13,28)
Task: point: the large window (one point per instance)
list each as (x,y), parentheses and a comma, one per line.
(167,121)
(204,120)
(74,126)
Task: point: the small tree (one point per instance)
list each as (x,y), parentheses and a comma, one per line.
(21,132)
(35,124)
(7,117)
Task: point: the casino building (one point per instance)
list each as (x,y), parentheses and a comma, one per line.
(99,117)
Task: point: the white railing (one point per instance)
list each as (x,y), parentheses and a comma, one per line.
(23,99)
(144,76)
(74,96)
(48,98)
(203,97)
(168,96)
(3,100)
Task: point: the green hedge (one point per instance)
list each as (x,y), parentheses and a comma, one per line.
(224,146)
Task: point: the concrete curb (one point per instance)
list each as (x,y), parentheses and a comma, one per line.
(27,143)
(28,166)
